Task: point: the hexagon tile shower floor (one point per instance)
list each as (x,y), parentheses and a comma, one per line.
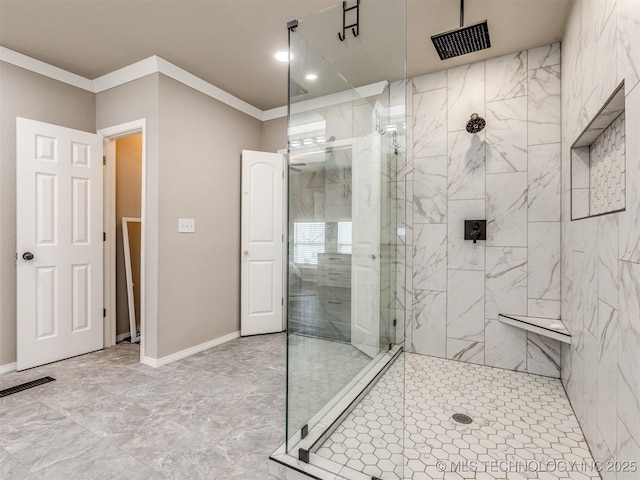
(523,426)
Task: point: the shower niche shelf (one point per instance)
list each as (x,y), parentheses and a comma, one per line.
(598,166)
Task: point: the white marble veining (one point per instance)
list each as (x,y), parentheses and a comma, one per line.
(629,220)
(627,447)
(506,281)
(627,40)
(544,183)
(430,257)
(466,168)
(506,76)
(430,123)
(537,307)
(430,190)
(544,260)
(606,60)
(507,209)
(544,56)
(544,105)
(465,351)
(608,276)
(628,341)
(461,253)
(600,369)
(431,81)
(429,328)
(507,135)
(465,306)
(465,94)
(500,175)
(543,355)
(607,375)
(506,346)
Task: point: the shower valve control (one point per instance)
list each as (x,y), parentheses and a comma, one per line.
(475,230)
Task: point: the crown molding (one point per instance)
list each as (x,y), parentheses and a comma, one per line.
(148,66)
(126,74)
(156,64)
(189,79)
(38,66)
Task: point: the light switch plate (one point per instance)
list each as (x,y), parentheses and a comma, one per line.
(186,225)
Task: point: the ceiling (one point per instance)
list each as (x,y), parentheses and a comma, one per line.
(230,43)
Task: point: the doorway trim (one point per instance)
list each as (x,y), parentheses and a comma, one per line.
(110,134)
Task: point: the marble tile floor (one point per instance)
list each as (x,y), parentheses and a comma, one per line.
(214,415)
(520,422)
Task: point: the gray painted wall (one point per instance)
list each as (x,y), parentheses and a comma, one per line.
(274,135)
(201,142)
(133,101)
(27,94)
(194,171)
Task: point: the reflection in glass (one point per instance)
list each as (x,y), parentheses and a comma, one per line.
(346,263)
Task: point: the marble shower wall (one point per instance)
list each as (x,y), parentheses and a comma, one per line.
(601,255)
(508,174)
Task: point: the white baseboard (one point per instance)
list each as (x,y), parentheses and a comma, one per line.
(158,362)
(122,336)
(9,367)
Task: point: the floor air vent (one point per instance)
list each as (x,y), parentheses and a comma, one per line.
(25,386)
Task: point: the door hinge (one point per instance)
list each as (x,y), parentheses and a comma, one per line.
(104,236)
(104,159)
(104,313)
(282,301)
(395,322)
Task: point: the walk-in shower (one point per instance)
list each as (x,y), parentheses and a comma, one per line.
(418,272)
(346,311)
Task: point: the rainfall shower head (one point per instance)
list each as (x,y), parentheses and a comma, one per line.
(462,40)
(476,123)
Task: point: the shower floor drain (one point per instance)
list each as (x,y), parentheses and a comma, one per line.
(462,418)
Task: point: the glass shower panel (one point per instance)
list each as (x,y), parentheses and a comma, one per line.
(322,359)
(346,267)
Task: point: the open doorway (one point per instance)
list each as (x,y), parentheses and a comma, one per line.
(128,190)
(124,258)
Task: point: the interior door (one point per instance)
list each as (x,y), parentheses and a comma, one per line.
(262,243)
(365,255)
(59,242)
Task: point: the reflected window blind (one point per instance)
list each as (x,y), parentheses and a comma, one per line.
(308,242)
(344,237)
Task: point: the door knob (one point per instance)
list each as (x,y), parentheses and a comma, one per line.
(27,256)
(373,257)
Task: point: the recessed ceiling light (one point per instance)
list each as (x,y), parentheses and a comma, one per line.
(311,76)
(281,56)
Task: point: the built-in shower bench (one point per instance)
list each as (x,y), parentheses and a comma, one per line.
(547,327)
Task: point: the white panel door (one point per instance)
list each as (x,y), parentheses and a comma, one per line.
(59,243)
(365,255)
(262,243)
